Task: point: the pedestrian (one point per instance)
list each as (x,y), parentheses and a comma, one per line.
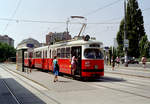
(144,61)
(106,60)
(55,68)
(113,62)
(30,69)
(73,64)
(118,61)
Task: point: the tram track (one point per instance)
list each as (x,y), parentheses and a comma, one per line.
(123,91)
(44,94)
(129,84)
(131,87)
(124,84)
(132,81)
(11,92)
(129,74)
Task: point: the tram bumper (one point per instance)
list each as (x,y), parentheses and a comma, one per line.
(93,73)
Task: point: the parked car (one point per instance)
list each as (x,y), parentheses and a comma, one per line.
(131,60)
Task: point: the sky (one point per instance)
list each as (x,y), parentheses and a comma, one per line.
(22,19)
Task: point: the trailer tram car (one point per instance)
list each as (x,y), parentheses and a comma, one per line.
(90,62)
(28,59)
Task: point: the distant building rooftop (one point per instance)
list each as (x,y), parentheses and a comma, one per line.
(29,42)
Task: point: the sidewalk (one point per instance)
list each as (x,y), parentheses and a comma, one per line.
(130,71)
(129,67)
(46,80)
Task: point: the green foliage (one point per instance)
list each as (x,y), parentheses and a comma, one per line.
(134,28)
(113,52)
(120,38)
(144,46)
(6,52)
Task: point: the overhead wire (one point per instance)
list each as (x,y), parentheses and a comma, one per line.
(59,22)
(14,13)
(108,5)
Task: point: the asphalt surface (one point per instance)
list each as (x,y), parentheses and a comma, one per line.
(113,88)
(11,92)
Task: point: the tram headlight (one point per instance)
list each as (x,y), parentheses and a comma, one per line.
(87,64)
(96,66)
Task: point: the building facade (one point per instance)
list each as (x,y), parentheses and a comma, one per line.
(6,39)
(55,37)
(28,43)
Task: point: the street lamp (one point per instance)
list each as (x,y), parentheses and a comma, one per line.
(126,42)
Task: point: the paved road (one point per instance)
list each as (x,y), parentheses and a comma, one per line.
(113,88)
(16,90)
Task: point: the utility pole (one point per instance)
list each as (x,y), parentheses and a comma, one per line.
(67,25)
(126,42)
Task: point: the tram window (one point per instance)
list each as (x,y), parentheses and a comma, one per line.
(93,54)
(63,52)
(58,52)
(43,55)
(25,55)
(68,52)
(38,54)
(30,55)
(34,55)
(46,54)
(50,54)
(53,53)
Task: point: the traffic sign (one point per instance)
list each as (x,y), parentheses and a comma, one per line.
(126,43)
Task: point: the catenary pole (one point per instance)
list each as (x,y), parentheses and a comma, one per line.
(125,37)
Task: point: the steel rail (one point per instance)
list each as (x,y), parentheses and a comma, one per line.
(12,72)
(13,95)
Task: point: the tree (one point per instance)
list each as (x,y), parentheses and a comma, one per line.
(120,38)
(144,46)
(6,52)
(134,27)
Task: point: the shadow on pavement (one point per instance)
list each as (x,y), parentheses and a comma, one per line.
(23,95)
(106,79)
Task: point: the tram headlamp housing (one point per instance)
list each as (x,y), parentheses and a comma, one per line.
(96,67)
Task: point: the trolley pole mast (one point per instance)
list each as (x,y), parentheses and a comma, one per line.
(126,42)
(67,25)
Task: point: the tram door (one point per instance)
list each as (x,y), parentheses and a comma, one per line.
(76,51)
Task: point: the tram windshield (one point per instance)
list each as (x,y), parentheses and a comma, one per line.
(93,54)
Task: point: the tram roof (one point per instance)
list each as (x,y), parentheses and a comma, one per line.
(39,48)
(70,43)
(76,42)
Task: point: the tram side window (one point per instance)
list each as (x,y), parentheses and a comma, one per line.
(46,54)
(63,52)
(34,55)
(25,55)
(68,52)
(53,53)
(30,54)
(38,54)
(50,54)
(43,56)
(58,52)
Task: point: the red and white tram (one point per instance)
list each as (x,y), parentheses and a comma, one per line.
(90,62)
